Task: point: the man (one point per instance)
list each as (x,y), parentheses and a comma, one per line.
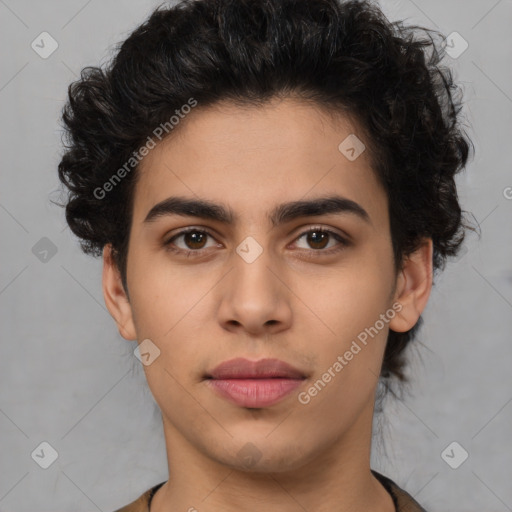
(271,186)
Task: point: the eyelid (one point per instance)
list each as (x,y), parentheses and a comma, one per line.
(190,229)
(328,229)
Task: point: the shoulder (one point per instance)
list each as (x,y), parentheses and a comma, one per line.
(141,504)
(403,501)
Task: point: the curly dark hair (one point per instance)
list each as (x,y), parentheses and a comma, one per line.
(346,57)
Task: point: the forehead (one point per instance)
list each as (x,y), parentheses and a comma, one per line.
(253,158)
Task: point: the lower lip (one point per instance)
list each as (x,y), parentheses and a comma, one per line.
(254,393)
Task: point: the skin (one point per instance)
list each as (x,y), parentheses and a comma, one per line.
(202,311)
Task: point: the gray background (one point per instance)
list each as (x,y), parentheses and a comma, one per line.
(69,379)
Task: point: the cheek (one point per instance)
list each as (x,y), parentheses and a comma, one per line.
(349,308)
(346,301)
(160,293)
(171,308)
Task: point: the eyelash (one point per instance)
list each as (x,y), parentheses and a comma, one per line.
(343,243)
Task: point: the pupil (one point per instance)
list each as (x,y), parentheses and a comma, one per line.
(194,236)
(322,235)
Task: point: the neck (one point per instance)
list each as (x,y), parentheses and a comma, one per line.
(337,477)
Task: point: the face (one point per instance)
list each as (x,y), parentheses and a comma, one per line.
(303,285)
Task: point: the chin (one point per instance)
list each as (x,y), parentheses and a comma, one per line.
(258,454)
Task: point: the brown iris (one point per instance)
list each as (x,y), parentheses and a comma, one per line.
(317,237)
(196,238)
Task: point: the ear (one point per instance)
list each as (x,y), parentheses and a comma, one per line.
(414,284)
(115,296)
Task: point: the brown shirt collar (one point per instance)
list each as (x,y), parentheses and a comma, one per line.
(403,501)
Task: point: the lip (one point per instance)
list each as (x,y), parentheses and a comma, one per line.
(241,368)
(254,384)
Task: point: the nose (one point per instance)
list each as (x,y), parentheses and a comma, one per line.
(255,297)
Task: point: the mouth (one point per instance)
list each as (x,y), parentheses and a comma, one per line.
(254,384)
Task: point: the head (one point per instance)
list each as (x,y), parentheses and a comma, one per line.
(248,124)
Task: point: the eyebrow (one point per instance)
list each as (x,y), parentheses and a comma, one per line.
(281,214)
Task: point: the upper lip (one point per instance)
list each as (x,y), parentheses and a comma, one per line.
(241,368)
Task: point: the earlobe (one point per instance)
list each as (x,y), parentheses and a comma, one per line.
(115,296)
(413,287)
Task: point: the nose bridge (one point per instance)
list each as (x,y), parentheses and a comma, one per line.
(252,277)
(253,294)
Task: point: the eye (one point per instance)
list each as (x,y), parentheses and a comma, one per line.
(194,240)
(318,239)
